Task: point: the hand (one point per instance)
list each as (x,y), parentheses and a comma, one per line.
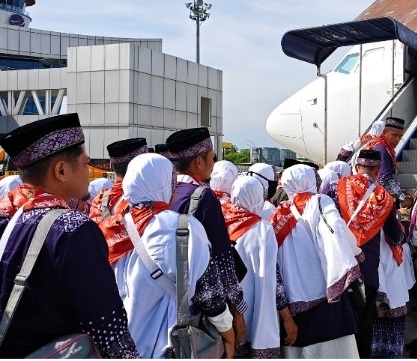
(408,201)
(404,211)
(239,326)
(292,332)
(290,326)
(229,342)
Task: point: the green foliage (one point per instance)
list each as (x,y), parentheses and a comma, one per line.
(237,156)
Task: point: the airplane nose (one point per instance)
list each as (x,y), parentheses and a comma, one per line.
(284,125)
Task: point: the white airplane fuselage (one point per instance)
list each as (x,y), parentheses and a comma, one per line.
(339,106)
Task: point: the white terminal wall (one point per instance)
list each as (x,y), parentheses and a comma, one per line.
(121,87)
(124,90)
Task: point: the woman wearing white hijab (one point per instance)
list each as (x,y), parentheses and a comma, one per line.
(97,185)
(342,169)
(266,175)
(327,178)
(222,177)
(317,264)
(151,308)
(262,285)
(7,184)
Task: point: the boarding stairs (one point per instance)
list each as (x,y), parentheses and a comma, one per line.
(404,105)
(315,45)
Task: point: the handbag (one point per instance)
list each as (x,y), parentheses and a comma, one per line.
(76,345)
(65,347)
(195,337)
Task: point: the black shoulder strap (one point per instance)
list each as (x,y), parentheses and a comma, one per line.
(322,215)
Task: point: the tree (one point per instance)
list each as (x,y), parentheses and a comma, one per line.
(237,156)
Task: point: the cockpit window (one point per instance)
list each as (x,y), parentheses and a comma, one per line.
(347,64)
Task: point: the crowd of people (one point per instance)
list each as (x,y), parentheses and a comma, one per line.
(301,263)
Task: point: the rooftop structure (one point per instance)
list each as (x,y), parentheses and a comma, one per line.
(398,9)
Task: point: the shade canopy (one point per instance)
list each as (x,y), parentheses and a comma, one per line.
(315,45)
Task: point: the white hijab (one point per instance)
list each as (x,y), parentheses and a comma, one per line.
(97,185)
(342,169)
(7,184)
(223,175)
(264,170)
(298,178)
(377,128)
(327,178)
(248,193)
(149,177)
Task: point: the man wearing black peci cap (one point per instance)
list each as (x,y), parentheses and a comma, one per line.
(121,153)
(369,211)
(191,151)
(288,162)
(385,144)
(162,149)
(71,288)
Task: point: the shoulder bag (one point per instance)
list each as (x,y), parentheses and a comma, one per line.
(196,337)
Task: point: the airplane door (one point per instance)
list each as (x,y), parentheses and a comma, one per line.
(312,119)
(342,111)
(377,81)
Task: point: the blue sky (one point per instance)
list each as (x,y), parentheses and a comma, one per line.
(242,38)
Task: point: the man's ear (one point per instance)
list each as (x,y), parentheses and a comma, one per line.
(198,162)
(356,168)
(60,169)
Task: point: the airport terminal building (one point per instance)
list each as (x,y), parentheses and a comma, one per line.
(120,87)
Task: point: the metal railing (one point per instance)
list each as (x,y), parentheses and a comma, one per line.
(390,102)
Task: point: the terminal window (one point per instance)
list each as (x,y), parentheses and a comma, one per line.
(205,112)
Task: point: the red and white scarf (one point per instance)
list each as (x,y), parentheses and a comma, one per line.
(384,141)
(29,197)
(115,194)
(117,238)
(283,220)
(372,216)
(238,220)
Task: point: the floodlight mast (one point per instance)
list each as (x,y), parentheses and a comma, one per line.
(199,13)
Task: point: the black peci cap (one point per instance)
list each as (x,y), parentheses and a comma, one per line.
(288,162)
(369,158)
(38,140)
(394,122)
(125,150)
(189,143)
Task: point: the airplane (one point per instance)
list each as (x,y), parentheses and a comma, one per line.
(373,80)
